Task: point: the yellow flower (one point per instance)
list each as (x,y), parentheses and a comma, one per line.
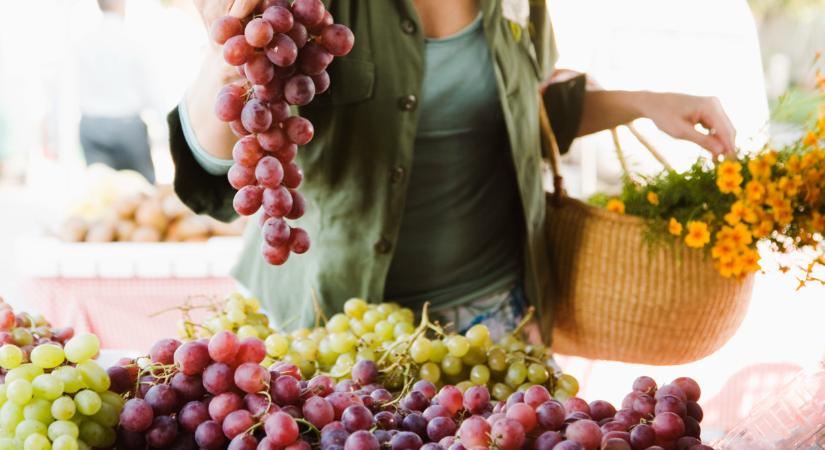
(810,139)
(674,227)
(793,165)
(616,206)
(754,191)
(749,261)
(741,235)
(652,198)
(790,185)
(783,214)
(723,251)
(737,212)
(730,184)
(764,229)
(729,168)
(698,235)
(731,268)
(760,167)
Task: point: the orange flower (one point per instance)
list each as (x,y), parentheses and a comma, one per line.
(818,222)
(754,191)
(764,229)
(616,206)
(760,167)
(653,198)
(783,214)
(674,227)
(723,251)
(810,139)
(730,184)
(749,261)
(729,168)
(731,268)
(698,235)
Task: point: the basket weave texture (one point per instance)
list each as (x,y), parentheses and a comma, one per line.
(618,297)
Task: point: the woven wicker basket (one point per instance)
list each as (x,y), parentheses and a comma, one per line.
(619,298)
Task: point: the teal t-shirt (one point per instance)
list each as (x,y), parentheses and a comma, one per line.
(461,231)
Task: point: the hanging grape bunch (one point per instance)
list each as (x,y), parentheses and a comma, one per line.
(282,55)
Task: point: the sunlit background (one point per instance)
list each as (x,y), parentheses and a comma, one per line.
(757,57)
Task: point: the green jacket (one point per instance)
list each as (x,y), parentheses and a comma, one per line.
(356,166)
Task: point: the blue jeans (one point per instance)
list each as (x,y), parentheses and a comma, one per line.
(500,312)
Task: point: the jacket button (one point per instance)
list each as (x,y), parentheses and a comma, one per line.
(397,174)
(407,102)
(382,246)
(408,26)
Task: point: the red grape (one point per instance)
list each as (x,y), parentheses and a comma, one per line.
(217,378)
(285,390)
(247,151)
(270,92)
(224,28)
(668,426)
(275,255)
(256,116)
(243,442)
(441,427)
(293,176)
(247,200)
(475,432)
(525,414)
(269,172)
(223,346)
(188,387)
(299,130)
(277,202)
(299,35)
(313,59)
(282,51)
(258,32)
(536,395)
(645,385)
(250,349)
(259,70)
(228,106)
(547,440)
(240,176)
(337,39)
(476,399)
(321,82)
(163,351)
(237,128)
(551,415)
(308,12)
(279,18)
(162,398)
(298,205)
(273,139)
(585,432)
(286,154)
(405,440)
(209,436)
(280,111)
(275,231)
(690,387)
(318,411)
(361,440)
(222,404)
(251,377)
(162,433)
(137,415)
(236,51)
(281,429)
(193,414)
(601,409)
(508,434)
(237,422)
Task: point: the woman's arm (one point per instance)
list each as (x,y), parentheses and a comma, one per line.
(675,114)
(213,135)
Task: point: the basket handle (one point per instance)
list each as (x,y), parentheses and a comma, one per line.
(549,141)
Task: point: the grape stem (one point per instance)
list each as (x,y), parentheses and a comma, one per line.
(319,312)
(310,427)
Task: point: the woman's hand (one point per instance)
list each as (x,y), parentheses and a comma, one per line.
(214,9)
(678,115)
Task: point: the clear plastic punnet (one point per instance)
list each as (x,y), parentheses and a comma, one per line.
(793,419)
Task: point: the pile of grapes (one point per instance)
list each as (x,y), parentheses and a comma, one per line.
(241,315)
(25,331)
(282,54)
(59,400)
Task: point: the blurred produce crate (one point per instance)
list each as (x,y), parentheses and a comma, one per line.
(114,289)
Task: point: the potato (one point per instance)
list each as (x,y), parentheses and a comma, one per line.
(73,230)
(102,231)
(150,214)
(146,234)
(234,228)
(124,230)
(174,208)
(193,228)
(126,206)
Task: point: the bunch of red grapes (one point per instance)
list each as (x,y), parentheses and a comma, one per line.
(214,394)
(282,54)
(27,331)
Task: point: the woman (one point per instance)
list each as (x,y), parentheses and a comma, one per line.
(423,179)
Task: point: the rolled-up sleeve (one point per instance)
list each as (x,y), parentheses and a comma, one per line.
(202,191)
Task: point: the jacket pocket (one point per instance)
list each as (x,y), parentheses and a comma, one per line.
(352,81)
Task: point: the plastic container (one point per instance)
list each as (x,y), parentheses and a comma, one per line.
(792,420)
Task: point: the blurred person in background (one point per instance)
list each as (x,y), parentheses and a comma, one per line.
(112,91)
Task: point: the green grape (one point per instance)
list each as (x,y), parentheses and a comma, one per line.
(501,391)
(357,327)
(420,349)
(437,351)
(3,397)
(96,435)
(64,443)
(38,409)
(87,402)
(355,307)
(402,329)
(251,304)
(8,443)
(396,317)
(326,356)
(276,345)
(370,340)
(451,365)
(385,309)
(236,315)
(11,414)
(342,342)
(28,427)
(26,372)
(497,359)
(537,373)
(81,347)
(479,374)
(407,315)
(307,368)
(383,329)
(247,331)
(37,442)
(267,361)
(430,371)
(561,395)
(305,348)
(365,353)
(457,345)
(300,333)
(338,323)
(71,378)
(568,384)
(463,386)
(371,318)
(474,356)
(525,386)
(83,446)
(516,374)
(63,408)
(47,356)
(512,344)
(115,400)
(63,428)
(478,335)
(19,392)
(107,415)
(94,376)
(22,337)
(47,386)
(10,356)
